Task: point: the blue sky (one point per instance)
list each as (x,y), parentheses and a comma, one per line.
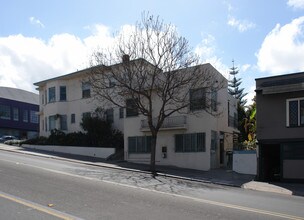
(43,39)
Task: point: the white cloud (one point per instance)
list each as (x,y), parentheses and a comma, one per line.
(25,60)
(36,21)
(245,67)
(282,50)
(297,4)
(206,50)
(229,6)
(241,25)
(249,97)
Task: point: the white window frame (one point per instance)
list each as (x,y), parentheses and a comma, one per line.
(299,110)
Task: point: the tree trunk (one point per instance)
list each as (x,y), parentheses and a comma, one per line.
(153,154)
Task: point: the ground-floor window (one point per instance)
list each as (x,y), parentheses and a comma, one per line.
(194,142)
(139,144)
(63,123)
(46,124)
(213,140)
(73,118)
(110,115)
(52,122)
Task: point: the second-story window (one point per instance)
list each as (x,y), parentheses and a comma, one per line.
(45,97)
(197,99)
(5,112)
(62,93)
(15,114)
(131,108)
(112,82)
(295,112)
(86,90)
(34,117)
(214,100)
(52,94)
(25,115)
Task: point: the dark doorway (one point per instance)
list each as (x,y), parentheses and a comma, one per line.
(269,167)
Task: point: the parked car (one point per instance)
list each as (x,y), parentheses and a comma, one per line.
(7,138)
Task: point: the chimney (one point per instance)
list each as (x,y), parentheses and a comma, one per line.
(125,58)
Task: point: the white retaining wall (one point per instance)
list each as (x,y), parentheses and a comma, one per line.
(84,151)
(245,162)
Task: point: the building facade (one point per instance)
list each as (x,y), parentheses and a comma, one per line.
(18,113)
(197,141)
(65,100)
(280,127)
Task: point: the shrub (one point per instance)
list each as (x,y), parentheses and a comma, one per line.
(100,132)
(76,139)
(57,137)
(37,141)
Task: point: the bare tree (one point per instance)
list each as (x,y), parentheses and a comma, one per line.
(157,64)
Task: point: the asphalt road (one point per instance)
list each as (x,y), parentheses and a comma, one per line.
(41,188)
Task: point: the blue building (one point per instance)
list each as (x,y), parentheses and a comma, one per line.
(19,113)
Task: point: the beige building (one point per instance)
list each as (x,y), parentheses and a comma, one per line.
(197,141)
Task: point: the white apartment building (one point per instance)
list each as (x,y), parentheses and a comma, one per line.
(196,141)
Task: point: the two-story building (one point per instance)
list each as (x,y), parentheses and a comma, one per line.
(280,127)
(197,141)
(18,113)
(64,100)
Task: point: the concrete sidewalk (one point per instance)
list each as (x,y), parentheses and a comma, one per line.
(216,176)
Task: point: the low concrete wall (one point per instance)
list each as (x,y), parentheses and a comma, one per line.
(245,162)
(84,151)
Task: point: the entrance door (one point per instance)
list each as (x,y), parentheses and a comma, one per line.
(269,162)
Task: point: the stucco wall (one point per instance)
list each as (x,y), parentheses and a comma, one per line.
(84,151)
(245,162)
(74,104)
(198,122)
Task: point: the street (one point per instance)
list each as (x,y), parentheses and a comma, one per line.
(33,187)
